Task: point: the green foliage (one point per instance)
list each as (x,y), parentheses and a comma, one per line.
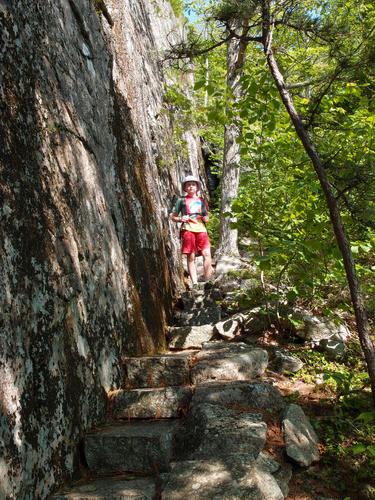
(213,228)
(328,62)
(348,427)
(327,59)
(178,7)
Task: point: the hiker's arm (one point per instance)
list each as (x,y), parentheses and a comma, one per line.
(177,218)
(175,215)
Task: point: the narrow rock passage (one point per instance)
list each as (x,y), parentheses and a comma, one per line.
(192,423)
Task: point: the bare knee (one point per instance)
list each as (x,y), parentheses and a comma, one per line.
(191,257)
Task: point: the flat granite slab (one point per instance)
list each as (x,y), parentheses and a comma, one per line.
(190,337)
(160,402)
(112,488)
(157,371)
(223,364)
(212,431)
(219,479)
(241,393)
(141,447)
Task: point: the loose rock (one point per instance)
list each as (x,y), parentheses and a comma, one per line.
(229,328)
(323,333)
(286,363)
(300,438)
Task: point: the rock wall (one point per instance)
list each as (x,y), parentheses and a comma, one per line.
(87,258)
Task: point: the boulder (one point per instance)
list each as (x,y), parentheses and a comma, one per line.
(323,333)
(300,438)
(281,472)
(287,363)
(229,328)
(226,264)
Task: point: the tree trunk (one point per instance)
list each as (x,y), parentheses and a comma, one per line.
(236,50)
(341,238)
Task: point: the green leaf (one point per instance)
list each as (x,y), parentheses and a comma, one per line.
(292,294)
(357,449)
(210,89)
(366,416)
(199,84)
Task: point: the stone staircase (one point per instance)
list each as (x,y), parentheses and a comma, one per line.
(189,424)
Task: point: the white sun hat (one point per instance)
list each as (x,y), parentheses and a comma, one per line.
(190,178)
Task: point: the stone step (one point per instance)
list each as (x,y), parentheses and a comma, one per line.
(200,299)
(213,431)
(235,479)
(230,361)
(190,337)
(241,394)
(157,371)
(139,447)
(111,488)
(197,317)
(161,402)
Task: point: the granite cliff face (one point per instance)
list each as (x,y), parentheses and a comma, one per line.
(87,258)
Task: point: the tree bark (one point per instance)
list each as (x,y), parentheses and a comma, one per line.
(337,224)
(236,51)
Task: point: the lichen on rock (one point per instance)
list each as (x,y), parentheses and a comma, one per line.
(87,259)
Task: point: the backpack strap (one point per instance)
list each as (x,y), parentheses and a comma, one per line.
(184,207)
(204,207)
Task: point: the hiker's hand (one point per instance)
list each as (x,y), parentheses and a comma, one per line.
(185,218)
(205,218)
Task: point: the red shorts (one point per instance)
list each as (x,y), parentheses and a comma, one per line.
(194,242)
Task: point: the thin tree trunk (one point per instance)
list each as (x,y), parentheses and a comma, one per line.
(236,50)
(341,238)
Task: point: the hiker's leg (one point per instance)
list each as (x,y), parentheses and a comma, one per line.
(192,267)
(207,263)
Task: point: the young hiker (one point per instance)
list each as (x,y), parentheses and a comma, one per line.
(192,211)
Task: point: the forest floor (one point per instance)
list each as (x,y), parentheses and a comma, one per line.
(335,396)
